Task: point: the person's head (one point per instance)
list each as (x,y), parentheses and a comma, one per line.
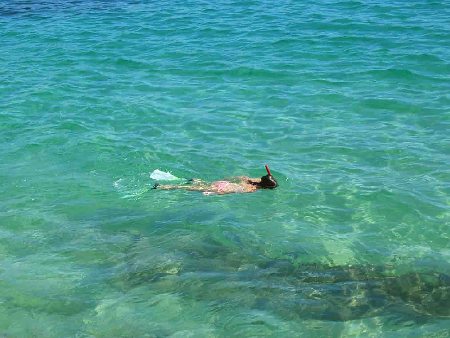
(268,181)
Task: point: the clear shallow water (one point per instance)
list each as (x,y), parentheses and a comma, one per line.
(347,101)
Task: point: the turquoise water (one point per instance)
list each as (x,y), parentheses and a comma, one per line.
(347,101)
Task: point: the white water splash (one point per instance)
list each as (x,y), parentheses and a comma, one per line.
(130,188)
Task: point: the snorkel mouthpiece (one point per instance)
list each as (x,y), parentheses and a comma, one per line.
(268,170)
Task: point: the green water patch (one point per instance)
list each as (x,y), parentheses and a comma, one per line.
(215,272)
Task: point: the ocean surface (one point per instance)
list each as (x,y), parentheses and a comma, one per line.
(347,101)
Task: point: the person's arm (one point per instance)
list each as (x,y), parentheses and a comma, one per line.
(237,179)
(249,180)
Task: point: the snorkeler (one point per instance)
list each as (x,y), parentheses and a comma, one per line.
(240,184)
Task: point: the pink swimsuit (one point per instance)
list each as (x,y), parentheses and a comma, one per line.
(225,186)
(221,186)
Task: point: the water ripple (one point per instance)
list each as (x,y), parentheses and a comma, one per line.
(346,100)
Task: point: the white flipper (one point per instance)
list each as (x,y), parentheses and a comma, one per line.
(159,175)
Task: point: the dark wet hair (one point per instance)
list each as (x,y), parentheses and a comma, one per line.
(268,182)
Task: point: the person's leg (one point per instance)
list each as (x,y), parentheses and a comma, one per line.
(181,187)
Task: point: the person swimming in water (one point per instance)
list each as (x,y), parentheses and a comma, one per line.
(240,184)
